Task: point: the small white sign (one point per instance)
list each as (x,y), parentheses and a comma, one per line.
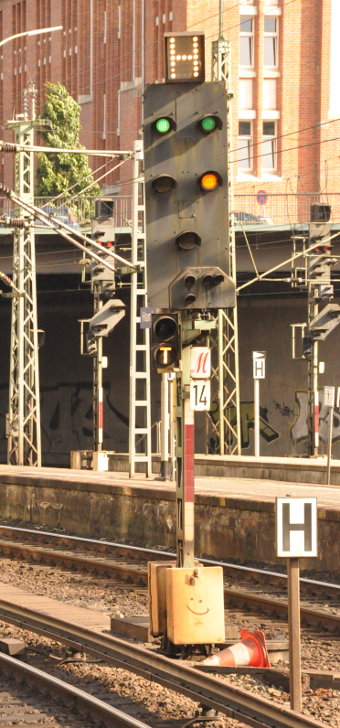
(338,398)
(296,527)
(200,362)
(259,364)
(328,396)
(200,394)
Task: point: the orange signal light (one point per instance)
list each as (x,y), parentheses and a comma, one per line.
(209,181)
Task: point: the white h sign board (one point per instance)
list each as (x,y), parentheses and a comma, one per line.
(296,527)
(259,364)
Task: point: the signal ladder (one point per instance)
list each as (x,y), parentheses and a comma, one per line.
(140,394)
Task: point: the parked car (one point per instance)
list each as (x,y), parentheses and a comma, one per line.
(246,218)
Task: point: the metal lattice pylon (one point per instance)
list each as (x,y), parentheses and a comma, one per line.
(140,390)
(225,424)
(23,422)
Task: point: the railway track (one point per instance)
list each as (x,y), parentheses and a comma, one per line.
(35,707)
(128,563)
(203,689)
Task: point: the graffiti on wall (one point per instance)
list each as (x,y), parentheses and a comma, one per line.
(298,429)
(67,419)
(267,430)
(294,418)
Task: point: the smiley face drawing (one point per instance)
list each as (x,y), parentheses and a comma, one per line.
(197,607)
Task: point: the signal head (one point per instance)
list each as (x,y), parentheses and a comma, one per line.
(189,299)
(165,341)
(209,181)
(164,125)
(209,123)
(188,240)
(165,327)
(163,184)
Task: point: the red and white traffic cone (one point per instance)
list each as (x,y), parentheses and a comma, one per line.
(251,650)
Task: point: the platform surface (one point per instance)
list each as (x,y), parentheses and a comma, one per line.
(257,489)
(61,610)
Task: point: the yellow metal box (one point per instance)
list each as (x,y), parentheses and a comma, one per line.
(195,605)
(157,595)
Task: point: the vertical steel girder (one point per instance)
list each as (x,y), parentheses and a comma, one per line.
(225,422)
(23,425)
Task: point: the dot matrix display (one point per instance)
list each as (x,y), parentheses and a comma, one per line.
(184,57)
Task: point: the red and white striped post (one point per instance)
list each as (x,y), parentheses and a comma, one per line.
(100,419)
(185,483)
(316,421)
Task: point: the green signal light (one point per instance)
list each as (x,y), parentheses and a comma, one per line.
(163,125)
(208,124)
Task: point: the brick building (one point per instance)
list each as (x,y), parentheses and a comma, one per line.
(284,61)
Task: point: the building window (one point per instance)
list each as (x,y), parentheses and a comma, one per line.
(104,27)
(104,116)
(269,94)
(245,141)
(270,57)
(245,93)
(269,155)
(119,28)
(247,41)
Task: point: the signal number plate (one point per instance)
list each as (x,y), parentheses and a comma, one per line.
(200,394)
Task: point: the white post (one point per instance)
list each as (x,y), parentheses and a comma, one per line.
(259,372)
(164,472)
(256,418)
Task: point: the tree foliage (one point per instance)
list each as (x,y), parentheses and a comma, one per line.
(56,173)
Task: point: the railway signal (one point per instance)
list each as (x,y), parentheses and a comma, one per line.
(165,341)
(186,185)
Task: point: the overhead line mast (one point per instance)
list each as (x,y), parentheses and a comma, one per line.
(227,428)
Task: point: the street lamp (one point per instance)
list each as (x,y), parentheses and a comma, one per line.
(37,31)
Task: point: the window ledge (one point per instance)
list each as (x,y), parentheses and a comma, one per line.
(245,114)
(250,177)
(246,177)
(270,114)
(267,10)
(85,99)
(248,10)
(268,177)
(269,72)
(245,72)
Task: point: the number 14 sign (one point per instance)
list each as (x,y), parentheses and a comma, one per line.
(200,373)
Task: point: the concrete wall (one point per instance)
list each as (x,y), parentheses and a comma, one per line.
(226,528)
(66,377)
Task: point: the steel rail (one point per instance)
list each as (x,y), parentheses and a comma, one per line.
(309,616)
(234,702)
(136,572)
(98,709)
(151,553)
(232,596)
